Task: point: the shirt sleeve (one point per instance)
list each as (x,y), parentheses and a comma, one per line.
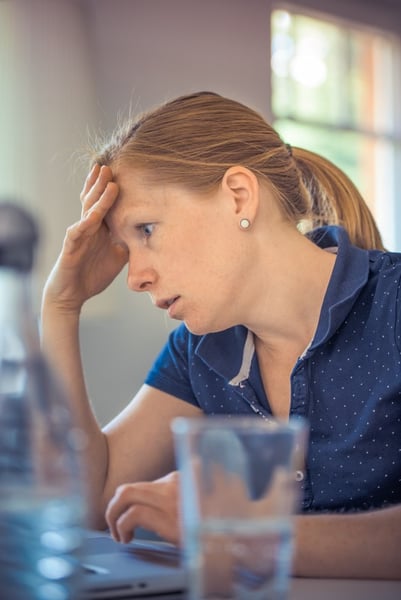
(170,371)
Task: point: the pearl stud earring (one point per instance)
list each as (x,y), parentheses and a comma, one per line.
(245,223)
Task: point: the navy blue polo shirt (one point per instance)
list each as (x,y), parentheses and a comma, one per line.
(347,384)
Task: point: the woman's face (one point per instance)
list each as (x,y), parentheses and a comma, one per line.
(185,249)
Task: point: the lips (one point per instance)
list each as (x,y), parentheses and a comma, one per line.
(165,304)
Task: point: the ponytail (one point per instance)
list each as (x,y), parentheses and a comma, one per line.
(336,200)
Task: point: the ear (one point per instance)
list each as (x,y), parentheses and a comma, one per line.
(243,187)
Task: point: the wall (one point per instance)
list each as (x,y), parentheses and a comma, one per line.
(84,63)
(156,50)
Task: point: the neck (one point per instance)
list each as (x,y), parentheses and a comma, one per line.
(287,307)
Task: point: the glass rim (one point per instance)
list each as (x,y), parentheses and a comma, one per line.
(183,425)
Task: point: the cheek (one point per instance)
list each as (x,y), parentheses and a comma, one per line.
(205,252)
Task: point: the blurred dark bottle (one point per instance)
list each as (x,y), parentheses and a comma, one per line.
(42,503)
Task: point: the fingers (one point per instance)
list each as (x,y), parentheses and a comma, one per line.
(90,180)
(99,191)
(144,516)
(151,505)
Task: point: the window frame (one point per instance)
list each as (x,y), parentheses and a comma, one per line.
(340,16)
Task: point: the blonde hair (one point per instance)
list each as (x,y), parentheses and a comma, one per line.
(194,139)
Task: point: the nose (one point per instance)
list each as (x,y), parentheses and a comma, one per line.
(140,278)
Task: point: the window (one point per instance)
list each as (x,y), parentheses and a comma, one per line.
(335,91)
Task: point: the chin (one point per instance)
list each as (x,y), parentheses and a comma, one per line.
(197,328)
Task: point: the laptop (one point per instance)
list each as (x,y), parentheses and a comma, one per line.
(141,568)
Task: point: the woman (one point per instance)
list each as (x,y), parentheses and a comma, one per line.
(203,200)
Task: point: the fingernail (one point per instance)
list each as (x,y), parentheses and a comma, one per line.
(115,536)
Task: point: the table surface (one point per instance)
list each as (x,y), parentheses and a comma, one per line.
(326,589)
(312,589)
(344,589)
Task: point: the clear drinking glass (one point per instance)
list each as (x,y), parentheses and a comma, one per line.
(239,492)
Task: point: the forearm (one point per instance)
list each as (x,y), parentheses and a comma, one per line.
(60,341)
(88,263)
(362,545)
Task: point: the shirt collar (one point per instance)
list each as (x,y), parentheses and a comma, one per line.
(350,274)
(229,353)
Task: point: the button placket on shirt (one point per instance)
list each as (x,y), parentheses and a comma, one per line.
(246,391)
(300,404)
(299,407)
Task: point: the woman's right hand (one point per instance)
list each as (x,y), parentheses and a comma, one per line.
(89,260)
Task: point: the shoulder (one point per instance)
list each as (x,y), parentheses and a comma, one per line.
(355,263)
(385,264)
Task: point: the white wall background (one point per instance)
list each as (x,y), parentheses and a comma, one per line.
(69,68)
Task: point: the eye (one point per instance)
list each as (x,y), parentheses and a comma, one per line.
(146,229)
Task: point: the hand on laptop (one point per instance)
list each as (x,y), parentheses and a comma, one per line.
(151,505)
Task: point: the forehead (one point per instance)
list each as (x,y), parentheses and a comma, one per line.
(133,193)
(134,185)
